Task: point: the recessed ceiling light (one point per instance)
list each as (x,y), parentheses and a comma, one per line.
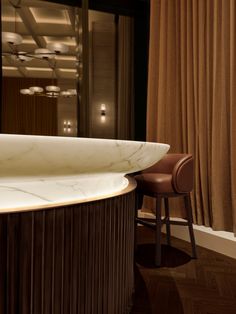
(28,40)
(68,70)
(69,41)
(68,58)
(38,69)
(11,19)
(9,68)
(53,16)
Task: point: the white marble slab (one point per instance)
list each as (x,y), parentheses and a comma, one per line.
(40,171)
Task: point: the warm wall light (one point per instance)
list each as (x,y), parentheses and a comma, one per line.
(67,126)
(103,112)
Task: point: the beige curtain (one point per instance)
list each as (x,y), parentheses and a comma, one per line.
(125,108)
(192,97)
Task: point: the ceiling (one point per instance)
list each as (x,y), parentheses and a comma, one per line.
(40,23)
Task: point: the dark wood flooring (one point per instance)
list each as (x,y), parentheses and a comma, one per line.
(182,285)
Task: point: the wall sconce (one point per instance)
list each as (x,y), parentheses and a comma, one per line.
(67,126)
(103,112)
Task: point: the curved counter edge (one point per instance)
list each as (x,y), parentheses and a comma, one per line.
(42,172)
(131,185)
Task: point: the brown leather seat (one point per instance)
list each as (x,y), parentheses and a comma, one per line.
(170,177)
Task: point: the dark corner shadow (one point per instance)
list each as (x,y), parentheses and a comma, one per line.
(141,302)
(171,257)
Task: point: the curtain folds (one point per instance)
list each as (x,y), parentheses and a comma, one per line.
(192,98)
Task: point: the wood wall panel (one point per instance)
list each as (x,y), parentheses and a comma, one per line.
(76,259)
(103,78)
(22,114)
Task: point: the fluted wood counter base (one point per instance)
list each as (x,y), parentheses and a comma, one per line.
(76,259)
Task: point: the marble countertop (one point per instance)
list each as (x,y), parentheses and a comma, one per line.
(42,171)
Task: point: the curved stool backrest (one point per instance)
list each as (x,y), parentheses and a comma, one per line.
(172,176)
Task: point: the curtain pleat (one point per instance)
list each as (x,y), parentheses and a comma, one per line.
(192,98)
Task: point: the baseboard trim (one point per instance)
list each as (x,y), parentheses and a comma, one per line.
(218,241)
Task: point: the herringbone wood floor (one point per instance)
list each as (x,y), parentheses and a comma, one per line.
(183,285)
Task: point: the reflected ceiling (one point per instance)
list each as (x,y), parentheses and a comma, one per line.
(40,23)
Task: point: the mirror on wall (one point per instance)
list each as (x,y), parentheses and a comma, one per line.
(40,67)
(66,70)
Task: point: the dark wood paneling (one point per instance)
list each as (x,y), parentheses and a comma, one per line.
(76,259)
(22,114)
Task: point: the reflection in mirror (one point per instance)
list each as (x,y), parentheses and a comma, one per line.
(46,90)
(40,67)
(111,46)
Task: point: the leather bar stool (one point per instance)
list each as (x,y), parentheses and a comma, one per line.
(170,177)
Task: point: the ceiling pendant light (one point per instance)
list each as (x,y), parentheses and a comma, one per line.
(21,56)
(52,91)
(52,94)
(11,38)
(26,91)
(36,89)
(73,91)
(66,93)
(43,53)
(52,88)
(57,47)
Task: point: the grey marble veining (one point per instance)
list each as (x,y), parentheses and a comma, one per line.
(39,170)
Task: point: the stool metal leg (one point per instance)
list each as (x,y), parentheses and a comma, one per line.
(139,199)
(167,221)
(158,232)
(188,207)
(138,205)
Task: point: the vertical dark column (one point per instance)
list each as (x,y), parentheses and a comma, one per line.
(79,66)
(83,110)
(116,72)
(1,72)
(141,42)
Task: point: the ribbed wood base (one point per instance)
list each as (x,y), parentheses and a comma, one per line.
(76,259)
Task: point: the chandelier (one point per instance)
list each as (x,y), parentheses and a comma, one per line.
(13,41)
(51,91)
